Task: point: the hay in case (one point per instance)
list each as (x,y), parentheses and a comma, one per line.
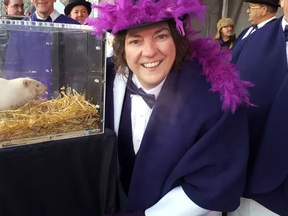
(66,113)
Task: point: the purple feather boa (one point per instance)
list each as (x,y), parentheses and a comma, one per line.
(216,67)
(220,73)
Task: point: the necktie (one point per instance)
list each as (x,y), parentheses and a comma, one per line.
(255,28)
(148,98)
(48,19)
(286,32)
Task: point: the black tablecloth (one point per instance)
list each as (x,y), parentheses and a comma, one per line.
(67,177)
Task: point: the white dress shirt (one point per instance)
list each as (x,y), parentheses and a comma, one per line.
(175,202)
(284,23)
(141,112)
(54,15)
(260,25)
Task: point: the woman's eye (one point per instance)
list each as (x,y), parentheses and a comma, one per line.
(161,36)
(134,42)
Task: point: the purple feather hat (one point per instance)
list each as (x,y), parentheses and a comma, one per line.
(125,14)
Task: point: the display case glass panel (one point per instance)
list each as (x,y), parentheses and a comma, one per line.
(52,82)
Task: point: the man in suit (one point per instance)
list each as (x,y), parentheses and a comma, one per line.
(45,13)
(180,153)
(260,13)
(263,61)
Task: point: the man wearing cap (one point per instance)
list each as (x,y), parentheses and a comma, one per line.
(263,61)
(225,33)
(78,10)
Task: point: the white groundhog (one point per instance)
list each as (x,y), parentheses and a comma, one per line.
(15,93)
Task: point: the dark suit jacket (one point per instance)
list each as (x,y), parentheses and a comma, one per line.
(189,141)
(261,59)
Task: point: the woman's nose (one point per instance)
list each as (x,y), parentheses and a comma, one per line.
(149,49)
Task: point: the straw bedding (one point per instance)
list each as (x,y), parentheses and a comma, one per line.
(68,112)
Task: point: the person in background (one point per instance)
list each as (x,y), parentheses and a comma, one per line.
(14,7)
(225,33)
(45,13)
(263,61)
(178,108)
(78,10)
(260,13)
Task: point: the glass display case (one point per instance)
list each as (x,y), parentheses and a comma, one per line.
(52,82)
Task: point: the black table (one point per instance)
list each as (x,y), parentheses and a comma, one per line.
(67,177)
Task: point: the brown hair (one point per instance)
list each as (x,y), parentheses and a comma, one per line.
(183,51)
(6,2)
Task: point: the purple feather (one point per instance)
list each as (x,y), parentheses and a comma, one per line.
(123,14)
(219,72)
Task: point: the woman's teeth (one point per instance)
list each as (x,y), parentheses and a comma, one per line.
(151,65)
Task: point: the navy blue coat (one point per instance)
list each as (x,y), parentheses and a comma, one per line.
(189,141)
(261,58)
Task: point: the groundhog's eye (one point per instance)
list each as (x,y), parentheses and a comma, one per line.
(37,85)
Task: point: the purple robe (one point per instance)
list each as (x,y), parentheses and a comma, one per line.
(189,141)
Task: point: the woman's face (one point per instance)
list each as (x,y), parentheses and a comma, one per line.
(150,53)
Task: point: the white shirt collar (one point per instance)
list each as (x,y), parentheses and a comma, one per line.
(284,23)
(260,25)
(154,91)
(54,15)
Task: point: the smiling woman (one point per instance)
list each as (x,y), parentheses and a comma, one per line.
(150,53)
(181,44)
(170,99)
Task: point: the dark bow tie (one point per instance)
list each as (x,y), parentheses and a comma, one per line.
(286,32)
(148,98)
(48,19)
